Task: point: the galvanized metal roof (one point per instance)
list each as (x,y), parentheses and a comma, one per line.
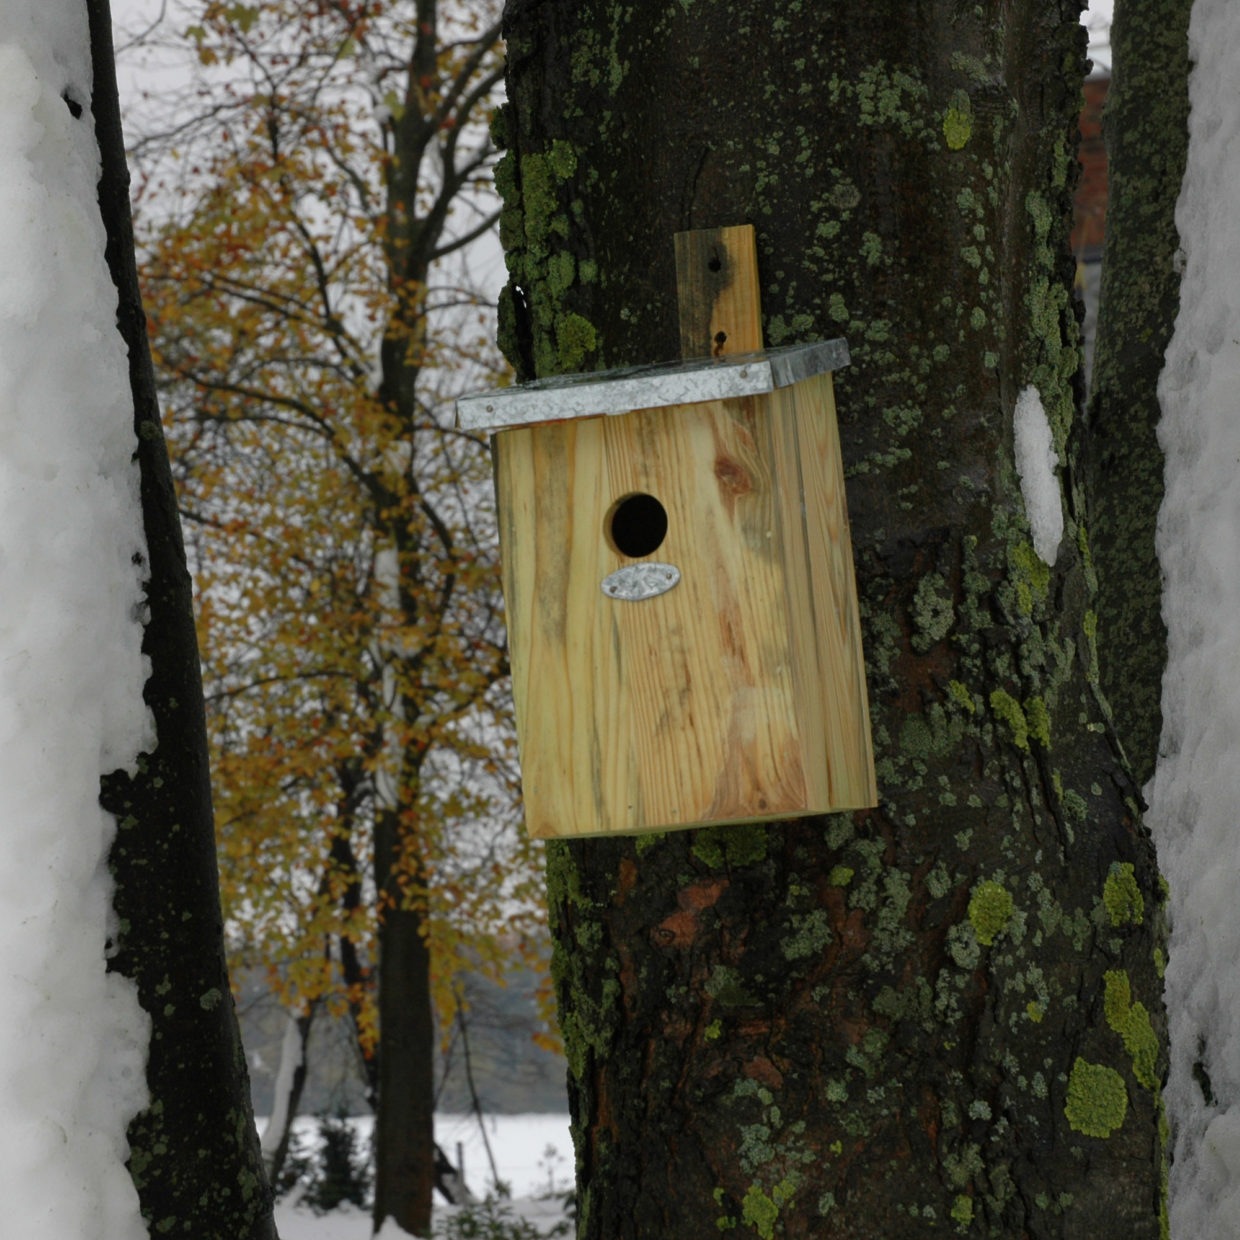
(606,392)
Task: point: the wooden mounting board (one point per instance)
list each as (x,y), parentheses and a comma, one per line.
(717,291)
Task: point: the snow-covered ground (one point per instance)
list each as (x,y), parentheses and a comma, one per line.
(533,1153)
(533,1157)
(350,1223)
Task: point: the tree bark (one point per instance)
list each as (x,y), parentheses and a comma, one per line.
(1146,130)
(194,1153)
(943,1015)
(405,1119)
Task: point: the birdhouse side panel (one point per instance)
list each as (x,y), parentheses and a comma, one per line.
(826,629)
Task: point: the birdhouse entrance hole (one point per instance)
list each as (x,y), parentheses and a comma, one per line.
(637,525)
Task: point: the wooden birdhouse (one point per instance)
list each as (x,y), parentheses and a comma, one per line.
(678,577)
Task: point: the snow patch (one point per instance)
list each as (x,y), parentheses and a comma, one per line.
(391,1230)
(72,1037)
(1036,463)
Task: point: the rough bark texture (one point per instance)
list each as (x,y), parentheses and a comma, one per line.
(1146,130)
(405,1119)
(194,1154)
(943,1016)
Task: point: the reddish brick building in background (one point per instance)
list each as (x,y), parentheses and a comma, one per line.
(1090,215)
(1090,210)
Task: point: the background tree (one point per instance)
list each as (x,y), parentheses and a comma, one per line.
(943,1014)
(305,215)
(193,1152)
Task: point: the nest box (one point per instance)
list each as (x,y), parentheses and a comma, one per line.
(678,578)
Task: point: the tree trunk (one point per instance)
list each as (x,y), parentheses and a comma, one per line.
(1146,129)
(290,1083)
(194,1152)
(405,1120)
(943,1015)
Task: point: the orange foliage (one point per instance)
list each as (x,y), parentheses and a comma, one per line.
(310,328)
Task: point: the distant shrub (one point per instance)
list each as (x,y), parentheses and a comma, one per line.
(340,1170)
(297,1168)
(493,1219)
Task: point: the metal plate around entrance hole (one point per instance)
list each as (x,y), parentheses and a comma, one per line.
(635,582)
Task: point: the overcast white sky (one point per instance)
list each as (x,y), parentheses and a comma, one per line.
(129,15)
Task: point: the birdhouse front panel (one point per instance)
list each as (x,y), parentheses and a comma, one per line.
(682,616)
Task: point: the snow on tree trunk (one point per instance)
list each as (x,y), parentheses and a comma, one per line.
(1196,787)
(1037,464)
(290,1077)
(73,1038)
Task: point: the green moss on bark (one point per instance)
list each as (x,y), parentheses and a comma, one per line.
(1097,1100)
(990,910)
